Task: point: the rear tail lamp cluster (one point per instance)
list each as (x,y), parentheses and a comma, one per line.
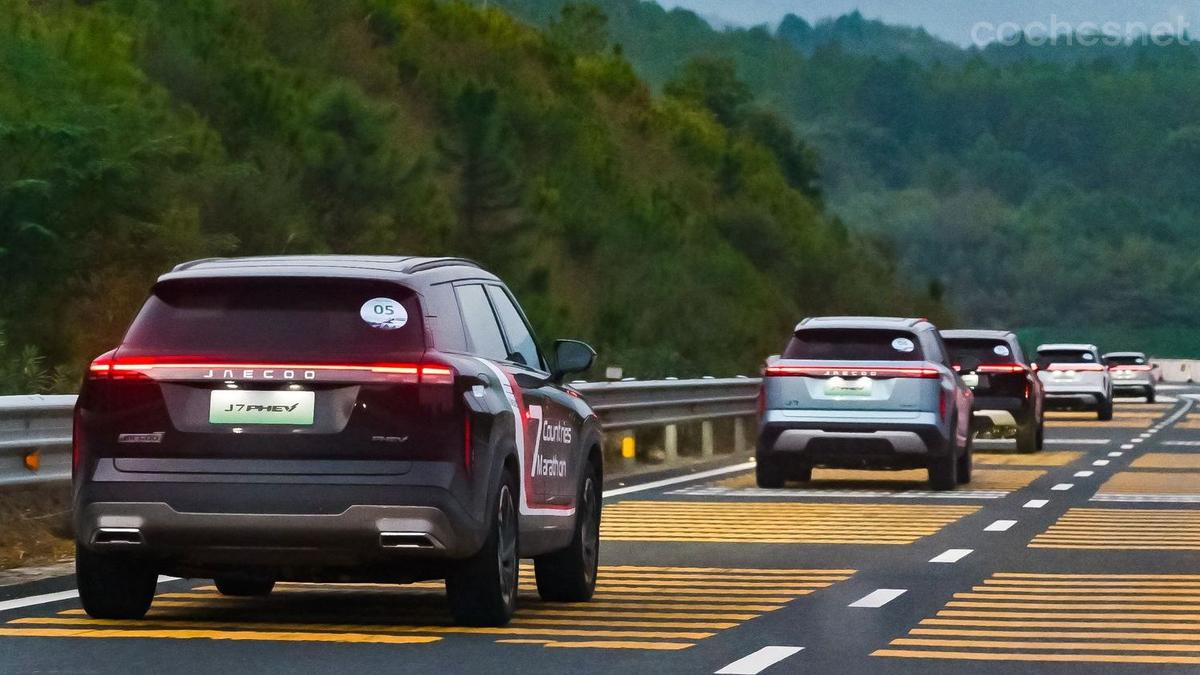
(108,366)
(855,371)
(1077,367)
(1133,368)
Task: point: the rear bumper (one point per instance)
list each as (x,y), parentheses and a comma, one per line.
(875,440)
(213,521)
(1139,384)
(1002,411)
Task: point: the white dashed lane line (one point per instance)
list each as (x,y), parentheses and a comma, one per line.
(952,555)
(1115,454)
(1100,462)
(1000,526)
(758,661)
(1061,487)
(879,598)
(1083,474)
(1036,503)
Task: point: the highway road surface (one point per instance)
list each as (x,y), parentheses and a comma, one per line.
(1082,558)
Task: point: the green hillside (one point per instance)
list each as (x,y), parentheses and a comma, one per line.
(135,134)
(1050,186)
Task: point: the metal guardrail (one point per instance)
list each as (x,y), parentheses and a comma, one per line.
(35,431)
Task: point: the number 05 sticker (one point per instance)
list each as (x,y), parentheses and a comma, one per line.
(383,313)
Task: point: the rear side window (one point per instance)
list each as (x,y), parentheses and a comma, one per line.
(524,349)
(841,344)
(1125,360)
(483,331)
(1066,356)
(311,320)
(986,351)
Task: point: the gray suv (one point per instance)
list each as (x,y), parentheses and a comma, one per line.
(864,392)
(1131,374)
(1074,376)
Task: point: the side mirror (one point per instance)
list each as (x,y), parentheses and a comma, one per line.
(969,364)
(571,356)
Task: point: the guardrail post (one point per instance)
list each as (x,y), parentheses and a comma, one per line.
(628,448)
(739,435)
(706,439)
(671,443)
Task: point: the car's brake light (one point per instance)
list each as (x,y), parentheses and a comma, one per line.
(941,402)
(883,372)
(1002,368)
(111,366)
(1078,367)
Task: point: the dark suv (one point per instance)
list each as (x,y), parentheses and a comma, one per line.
(335,418)
(1007,391)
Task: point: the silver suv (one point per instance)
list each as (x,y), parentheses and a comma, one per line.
(1131,374)
(1074,376)
(864,392)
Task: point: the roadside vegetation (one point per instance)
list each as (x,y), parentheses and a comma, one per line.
(683,233)
(1036,186)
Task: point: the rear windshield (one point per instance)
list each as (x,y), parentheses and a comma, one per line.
(986,351)
(1066,356)
(840,344)
(318,321)
(1125,360)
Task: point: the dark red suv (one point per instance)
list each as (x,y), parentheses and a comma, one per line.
(335,418)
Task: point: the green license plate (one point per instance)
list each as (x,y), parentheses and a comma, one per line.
(290,408)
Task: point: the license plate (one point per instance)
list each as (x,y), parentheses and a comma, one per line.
(291,408)
(971,380)
(839,387)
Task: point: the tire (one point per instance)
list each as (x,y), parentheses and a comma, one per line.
(114,586)
(1150,394)
(943,471)
(1028,436)
(802,473)
(768,474)
(244,587)
(1041,435)
(483,588)
(963,466)
(1104,412)
(569,575)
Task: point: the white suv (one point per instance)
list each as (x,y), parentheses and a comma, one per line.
(1074,375)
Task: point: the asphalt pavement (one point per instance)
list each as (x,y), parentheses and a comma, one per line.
(1081,558)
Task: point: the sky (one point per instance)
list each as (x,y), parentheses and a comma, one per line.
(970,21)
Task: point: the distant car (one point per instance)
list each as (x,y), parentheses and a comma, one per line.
(1131,374)
(1075,377)
(1007,392)
(864,393)
(335,418)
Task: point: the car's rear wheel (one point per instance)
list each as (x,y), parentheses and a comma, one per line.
(113,585)
(1028,434)
(1150,394)
(244,587)
(965,461)
(768,473)
(569,575)
(483,588)
(943,471)
(1104,412)
(1041,435)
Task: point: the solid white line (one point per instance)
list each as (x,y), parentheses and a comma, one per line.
(32,600)
(1179,413)
(1036,503)
(679,479)
(759,661)
(1063,486)
(879,598)
(1190,444)
(1115,454)
(1083,474)
(1000,526)
(1079,441)
(951,555)
(1100,462)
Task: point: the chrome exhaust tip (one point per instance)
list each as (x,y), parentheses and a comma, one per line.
(410,540)
(125,536)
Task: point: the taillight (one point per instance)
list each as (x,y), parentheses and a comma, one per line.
(1077,367)
(114,367)
(1009,368)
(921,372)
(1139,369)
(941,402)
